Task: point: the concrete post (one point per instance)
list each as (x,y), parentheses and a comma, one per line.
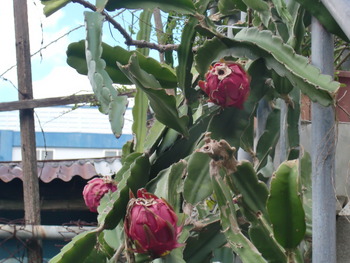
(323,156)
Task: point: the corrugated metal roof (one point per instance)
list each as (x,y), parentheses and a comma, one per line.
(63,169)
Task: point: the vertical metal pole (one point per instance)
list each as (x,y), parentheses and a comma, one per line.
(340,10)
(29,162)
(323,156)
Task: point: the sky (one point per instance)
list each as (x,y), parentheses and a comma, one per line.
(52,77)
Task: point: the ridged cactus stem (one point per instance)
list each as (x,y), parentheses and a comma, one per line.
(222,155)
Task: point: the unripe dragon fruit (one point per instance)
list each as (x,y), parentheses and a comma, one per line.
(95,189)
(227,84)
(151,224)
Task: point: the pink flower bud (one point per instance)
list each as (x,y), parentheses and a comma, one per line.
(227,85)
(151,224)
(95,189)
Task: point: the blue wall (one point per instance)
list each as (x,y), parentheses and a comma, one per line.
(10,139)
(6,144)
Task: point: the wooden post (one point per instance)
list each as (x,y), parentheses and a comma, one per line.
(30,173)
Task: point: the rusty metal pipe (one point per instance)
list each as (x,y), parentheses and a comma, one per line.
(41,231)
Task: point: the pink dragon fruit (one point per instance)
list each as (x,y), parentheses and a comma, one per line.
(227,84)
(95,189)
(151,224)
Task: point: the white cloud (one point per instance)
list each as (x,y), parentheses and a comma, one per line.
(39,29)
(8,49)
(61,81)
(53,76)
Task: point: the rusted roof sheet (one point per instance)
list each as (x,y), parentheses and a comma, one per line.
(63,169)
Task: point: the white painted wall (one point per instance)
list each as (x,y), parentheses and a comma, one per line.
(66,153)
(64,119)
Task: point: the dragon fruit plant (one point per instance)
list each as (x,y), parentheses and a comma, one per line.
(231,209)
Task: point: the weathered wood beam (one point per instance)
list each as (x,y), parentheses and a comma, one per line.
(48,102)
(25,92)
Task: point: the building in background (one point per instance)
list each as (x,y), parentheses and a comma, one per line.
(64,133)
(73,146)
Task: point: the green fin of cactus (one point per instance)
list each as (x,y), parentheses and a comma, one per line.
(253,44)
(284,206)
(239,243)
(78,249)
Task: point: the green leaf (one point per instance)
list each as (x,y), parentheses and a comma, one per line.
(251,197)
(114,237)
(168,140)
(134,178)
(258,89)
(253,44)
(163,105)
(180,6)
(260,76)
(77,60)
(223,254)
(230,7)
(281,84)
(287,63)
(154,135)
(128,161)
(284,206)
(297,34)
(140,109)
(293,117)
(116,111)
(268,140)
(283,12)
(185,54)
(200,246)
(238,242)
(78,249)
(230,124)
(306,189)
(262,237)
(183,147)
(111,55)
(144,32)
(168,182)
(253,192)
(139,114)
(96,256)
(267,171)
(197,178)
(51,6)
(257,5)
(106,94)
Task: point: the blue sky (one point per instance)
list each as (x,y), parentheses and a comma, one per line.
(51,75)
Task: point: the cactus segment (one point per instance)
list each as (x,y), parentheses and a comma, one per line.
(110,102)
(78,249)
(239,243)
(134,178)
(285,207)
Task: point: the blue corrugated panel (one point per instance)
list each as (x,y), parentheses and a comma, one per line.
(75,140)
(6,144)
